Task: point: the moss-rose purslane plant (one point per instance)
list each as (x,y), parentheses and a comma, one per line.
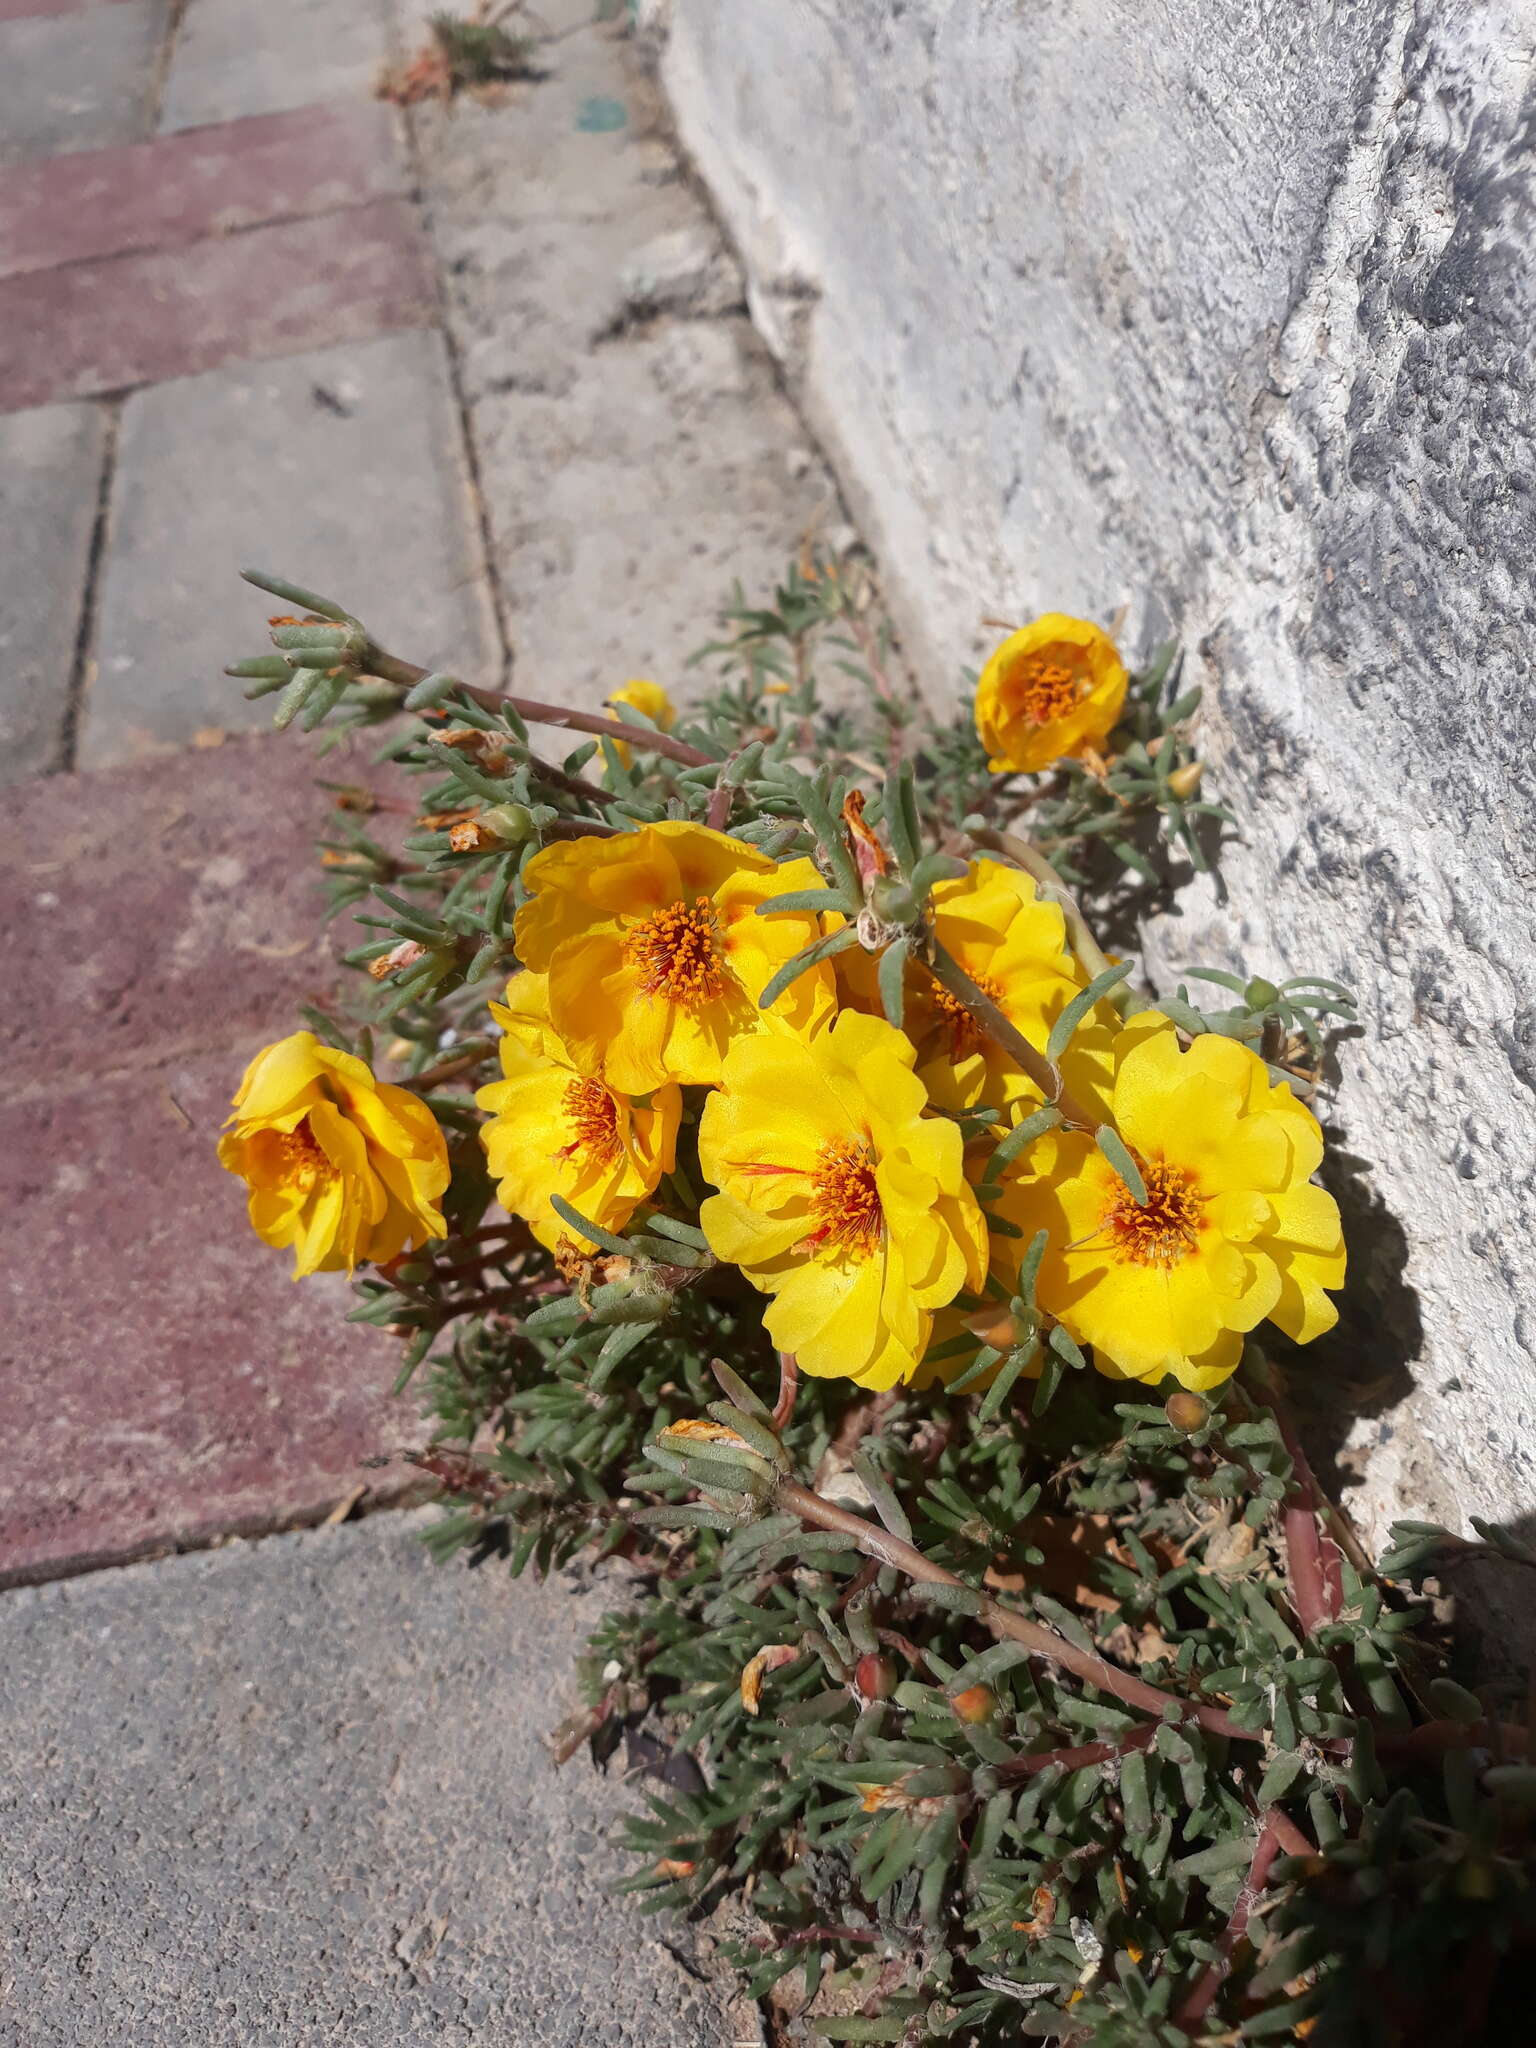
(780,1190)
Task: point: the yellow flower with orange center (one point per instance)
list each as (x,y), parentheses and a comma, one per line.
(344,1168)
(655,954)
(650,700)
(1232,1230)
(839,1196)
(1052,690)
(553,1130)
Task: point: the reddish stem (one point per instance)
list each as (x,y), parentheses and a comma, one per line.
(1077,1759)
(1003,1621)
(789,1386)
(1203,1996)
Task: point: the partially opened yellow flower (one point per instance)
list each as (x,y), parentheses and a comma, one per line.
(655,954)
(839,1196)
(1014,947)
(1052,690)
(650,700)
(1232,1230)
(344,1168)
(555,1131)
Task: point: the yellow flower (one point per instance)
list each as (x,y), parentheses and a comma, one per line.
(650,700)
(1013,945)
(344,1168)
(839,1197)
(1052,690)
(553,1130)
(655,955)
(1232,1230)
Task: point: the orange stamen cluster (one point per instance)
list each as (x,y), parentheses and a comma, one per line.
(845,1202)
(593,1116)
(1163,1231)
(965,1034)
(1045,689)
(302,1161)
(677,953)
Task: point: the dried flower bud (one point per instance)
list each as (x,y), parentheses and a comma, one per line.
(471,836)
(756,1668)
(406,954)
(1186,1411)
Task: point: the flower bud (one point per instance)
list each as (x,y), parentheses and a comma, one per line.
(1261,994)
(976,1705)
(1184,782)
(999,1327)
(874,1677)
(892,901)
(1186,1411)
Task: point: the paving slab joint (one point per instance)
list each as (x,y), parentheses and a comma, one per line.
(447,327)
(90,595)
(411,1495)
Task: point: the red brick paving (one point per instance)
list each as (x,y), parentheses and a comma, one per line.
(164,909)
(121,321)
(18,10)
(202,181)
(162,1379)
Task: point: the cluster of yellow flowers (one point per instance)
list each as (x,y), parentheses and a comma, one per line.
(845,1187)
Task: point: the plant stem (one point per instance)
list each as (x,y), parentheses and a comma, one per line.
(1009,1039)
(789,1385)
(1199,2001)
(1039,1640)
(390,669)
(1076,1759)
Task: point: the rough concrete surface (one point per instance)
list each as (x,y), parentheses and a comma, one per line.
(67,85)
(635,452)
(342,468)
(1224,311)
(293,1793)
(228,62)
(50,481)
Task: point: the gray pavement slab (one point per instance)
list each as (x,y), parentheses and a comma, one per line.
(636,451)
(296,1792)
(231,59)
(50,480)
(72,81)
(342,468)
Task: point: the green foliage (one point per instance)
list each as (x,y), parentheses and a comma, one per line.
(994,1725)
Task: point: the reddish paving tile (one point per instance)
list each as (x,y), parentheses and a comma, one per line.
(203,181)
(163,909)
(19,10)
(161,1377)
(121,321)
(164,1380)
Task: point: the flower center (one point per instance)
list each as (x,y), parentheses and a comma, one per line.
(677,953)
(593,1116)
(965,1034)
(1166,1229)
(1046,689)
(300,1158)
(845,1202)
